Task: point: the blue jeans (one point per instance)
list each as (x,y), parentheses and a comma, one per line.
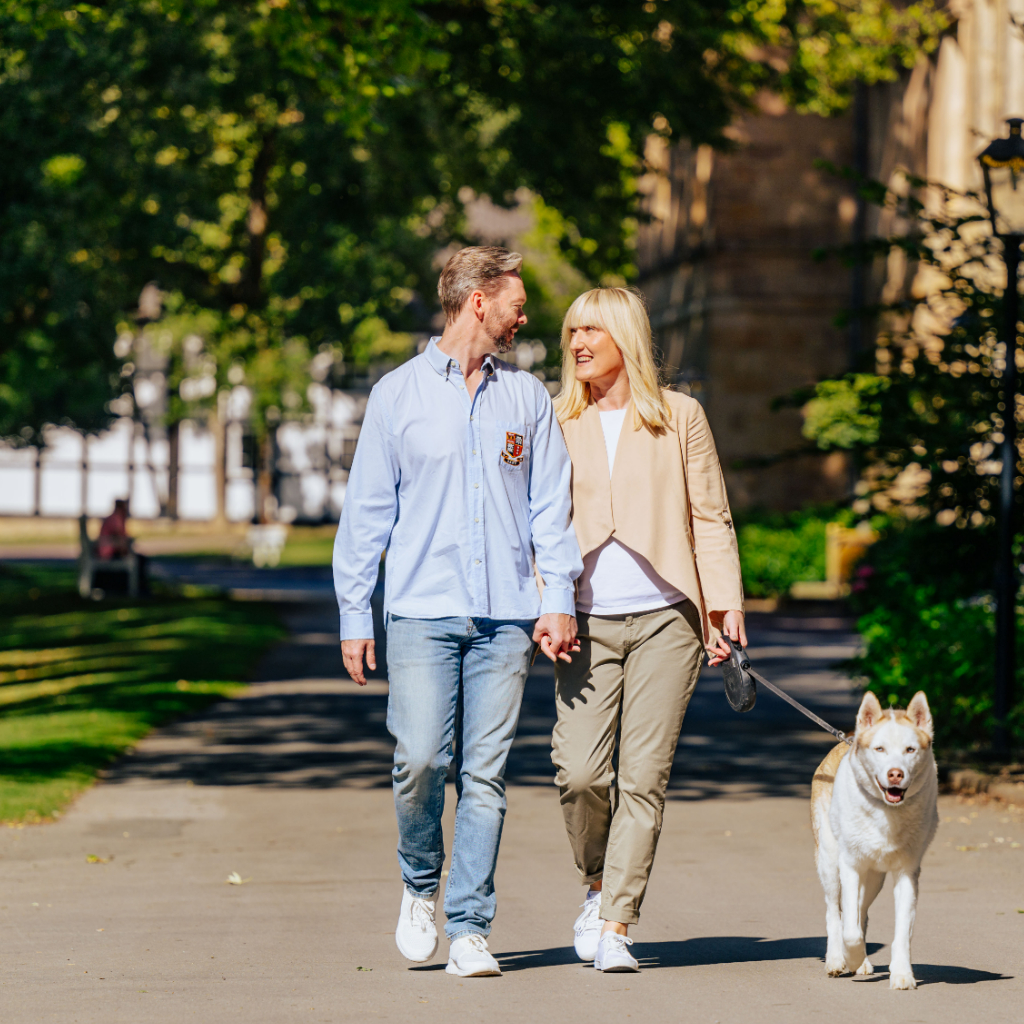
(454,683)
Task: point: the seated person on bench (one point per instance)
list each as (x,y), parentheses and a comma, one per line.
(113,541)
(111,552)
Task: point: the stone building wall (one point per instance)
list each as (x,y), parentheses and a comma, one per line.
(742,311)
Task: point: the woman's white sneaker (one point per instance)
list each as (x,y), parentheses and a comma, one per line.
(588,927)
(469,957)
(416,934)
(612,955)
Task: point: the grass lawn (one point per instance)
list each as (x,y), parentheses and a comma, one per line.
(309,545)
(81,682)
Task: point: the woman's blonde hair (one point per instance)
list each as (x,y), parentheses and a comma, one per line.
(620,312)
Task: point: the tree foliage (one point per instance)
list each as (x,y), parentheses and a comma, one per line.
(925,426)
(924,430)
(286,170)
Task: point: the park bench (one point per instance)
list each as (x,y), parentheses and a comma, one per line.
(90,563)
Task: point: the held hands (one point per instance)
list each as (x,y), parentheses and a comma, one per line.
(352,652)
(733,626)
(556,634)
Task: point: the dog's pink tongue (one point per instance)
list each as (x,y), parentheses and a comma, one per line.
(894,795)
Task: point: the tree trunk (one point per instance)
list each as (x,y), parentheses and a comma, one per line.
(250,289)
(218,427)
(265,478)
(173,436)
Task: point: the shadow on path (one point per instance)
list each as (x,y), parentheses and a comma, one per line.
(302,725)
(700,952)
(734,949)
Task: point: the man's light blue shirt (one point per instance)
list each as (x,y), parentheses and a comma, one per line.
(466,496)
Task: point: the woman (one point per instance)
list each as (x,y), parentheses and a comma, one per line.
(661,581)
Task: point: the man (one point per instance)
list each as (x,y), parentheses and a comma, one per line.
(462,475)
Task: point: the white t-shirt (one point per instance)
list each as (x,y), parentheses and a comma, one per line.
(616,580)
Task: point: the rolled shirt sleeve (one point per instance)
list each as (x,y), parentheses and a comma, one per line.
(556,549)
(367,517)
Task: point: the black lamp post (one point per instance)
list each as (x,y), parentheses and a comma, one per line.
(1002,163)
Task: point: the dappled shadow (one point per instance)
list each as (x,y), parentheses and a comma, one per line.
(301,738)
(79,683)
(770,751)
(303,725)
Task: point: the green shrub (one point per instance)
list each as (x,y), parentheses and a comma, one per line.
(927,621)
(946,650)
(778,549)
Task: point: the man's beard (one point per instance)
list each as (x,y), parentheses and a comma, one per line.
(502,334)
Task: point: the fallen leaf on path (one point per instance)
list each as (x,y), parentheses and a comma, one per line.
(964,849)
(93,859)
(364,968)
(236,879)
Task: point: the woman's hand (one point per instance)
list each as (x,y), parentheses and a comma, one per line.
(734,628)
(556,635)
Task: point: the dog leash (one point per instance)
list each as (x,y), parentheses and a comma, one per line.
(741,688)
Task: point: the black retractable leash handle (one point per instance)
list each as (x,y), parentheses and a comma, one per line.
(740,686)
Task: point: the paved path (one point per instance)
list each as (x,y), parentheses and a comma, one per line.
(288,786)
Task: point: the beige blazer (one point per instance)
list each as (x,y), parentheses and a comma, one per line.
(665,500)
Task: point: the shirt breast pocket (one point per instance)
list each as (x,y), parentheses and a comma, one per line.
(512,445)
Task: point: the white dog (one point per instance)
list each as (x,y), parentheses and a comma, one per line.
(874,810)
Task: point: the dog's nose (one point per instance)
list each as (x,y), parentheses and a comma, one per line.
(895,776)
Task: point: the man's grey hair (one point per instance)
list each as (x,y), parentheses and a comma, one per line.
(475,268)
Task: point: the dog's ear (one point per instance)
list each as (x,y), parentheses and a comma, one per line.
(870,712)
(921,715)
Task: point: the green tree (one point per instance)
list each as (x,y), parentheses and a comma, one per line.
(924,427)
(287,169)
(924,430)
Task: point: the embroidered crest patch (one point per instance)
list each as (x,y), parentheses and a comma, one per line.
(513,453)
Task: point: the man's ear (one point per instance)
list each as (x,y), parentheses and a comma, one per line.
(478,303)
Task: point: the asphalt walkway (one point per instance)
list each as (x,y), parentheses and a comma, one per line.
(122,911)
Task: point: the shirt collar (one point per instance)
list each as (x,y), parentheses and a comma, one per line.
(442,362)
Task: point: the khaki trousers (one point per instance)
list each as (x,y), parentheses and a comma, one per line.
(634,674)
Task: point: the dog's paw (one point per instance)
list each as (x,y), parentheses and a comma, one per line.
(902,982)
(866,968)
(834,966)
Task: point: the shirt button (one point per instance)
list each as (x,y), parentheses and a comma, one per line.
(476,485)
(478,561)
(474,451)
(476,520)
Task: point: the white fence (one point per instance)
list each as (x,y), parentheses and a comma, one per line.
(74,474)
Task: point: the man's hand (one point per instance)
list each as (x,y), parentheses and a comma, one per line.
(733,627)
(352,652)
(556,634)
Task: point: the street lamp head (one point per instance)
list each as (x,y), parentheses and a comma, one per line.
(1002,163)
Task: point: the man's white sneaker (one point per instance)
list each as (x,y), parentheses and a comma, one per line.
(588,927)
(469,957)
(416,934)
(612,955)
